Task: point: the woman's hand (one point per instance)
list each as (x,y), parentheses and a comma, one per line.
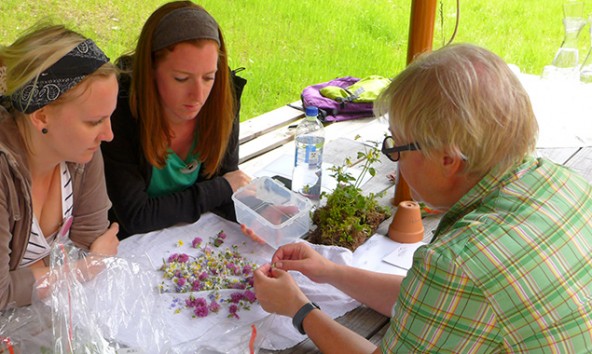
(106,244)
(237,179)
(301,257)
(277,292)
(251,234)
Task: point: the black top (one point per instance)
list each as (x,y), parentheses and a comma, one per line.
(128,174)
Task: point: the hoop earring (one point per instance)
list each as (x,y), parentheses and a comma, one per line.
(44,131)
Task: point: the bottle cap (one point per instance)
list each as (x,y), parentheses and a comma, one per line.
(312,111)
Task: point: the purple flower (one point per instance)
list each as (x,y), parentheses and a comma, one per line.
(239,286)
(233,269)
(196,286)
(181,281)
(250,281)
(182,258)
(196,242)
(236,297)
(247,269)
(218,242)
(201,311)
(173,257)
(214,306)
(203,276)
(222,235)
(233,309)
(196,302)
(250,296)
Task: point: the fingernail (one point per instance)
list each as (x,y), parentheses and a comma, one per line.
(278,265)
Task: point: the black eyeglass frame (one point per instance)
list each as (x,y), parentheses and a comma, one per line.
(396,149)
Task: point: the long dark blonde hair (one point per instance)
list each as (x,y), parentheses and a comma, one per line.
(214,120)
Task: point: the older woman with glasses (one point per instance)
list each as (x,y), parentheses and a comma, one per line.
(508,269)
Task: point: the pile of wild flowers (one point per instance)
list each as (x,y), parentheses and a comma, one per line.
(213,269)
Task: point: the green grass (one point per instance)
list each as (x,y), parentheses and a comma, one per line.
(287,45)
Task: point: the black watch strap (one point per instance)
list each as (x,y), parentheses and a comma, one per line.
(301,314)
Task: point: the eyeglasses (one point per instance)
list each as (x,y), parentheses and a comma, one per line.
(393,152)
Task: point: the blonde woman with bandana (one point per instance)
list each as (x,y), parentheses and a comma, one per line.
(58,92)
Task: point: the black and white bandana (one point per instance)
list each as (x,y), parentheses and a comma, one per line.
(66,73)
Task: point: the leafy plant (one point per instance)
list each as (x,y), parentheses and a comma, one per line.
(349,217)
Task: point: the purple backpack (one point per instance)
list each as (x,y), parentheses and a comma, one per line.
(331,110)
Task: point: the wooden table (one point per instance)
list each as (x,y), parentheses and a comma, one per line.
(269,137)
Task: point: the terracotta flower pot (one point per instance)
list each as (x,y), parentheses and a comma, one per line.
(406,226)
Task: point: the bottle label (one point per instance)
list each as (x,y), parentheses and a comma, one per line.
(306,178)
(312,155)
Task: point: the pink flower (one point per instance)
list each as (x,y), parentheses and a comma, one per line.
(250,296)
(201,311)
(182,258)
(250,281)
(173,257)
(196,242)
(236,297)
(239,286)
(222,235)
(196,286)
(214,306)
(247,269)
(232,310)
(181,281)
(196,302)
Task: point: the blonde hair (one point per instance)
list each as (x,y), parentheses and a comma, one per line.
(215,119)
(466,101)
(34,52)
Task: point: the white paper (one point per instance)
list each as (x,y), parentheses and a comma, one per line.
(402,256)
(374,253)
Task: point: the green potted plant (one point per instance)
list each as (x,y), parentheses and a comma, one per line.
(349,216)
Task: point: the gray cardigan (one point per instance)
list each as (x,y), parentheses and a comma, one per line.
(16,212)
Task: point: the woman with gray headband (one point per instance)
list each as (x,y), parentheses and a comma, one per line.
(175,151)
(58,93)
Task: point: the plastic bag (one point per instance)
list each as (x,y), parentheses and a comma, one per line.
(86,308)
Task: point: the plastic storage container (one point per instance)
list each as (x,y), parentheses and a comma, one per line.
(275,213)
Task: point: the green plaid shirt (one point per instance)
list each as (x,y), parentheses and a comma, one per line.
(509,270)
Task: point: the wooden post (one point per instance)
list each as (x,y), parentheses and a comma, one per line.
(421,37)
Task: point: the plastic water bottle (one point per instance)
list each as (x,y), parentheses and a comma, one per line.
(308,159)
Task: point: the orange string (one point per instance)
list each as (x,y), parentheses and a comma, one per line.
(8,344)
(252,340)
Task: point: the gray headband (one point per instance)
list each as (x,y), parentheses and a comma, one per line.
(184,24)
(66,73)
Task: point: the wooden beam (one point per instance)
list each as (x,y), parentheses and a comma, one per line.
(421,37)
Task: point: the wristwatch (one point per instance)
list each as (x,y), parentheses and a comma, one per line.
(301,314)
